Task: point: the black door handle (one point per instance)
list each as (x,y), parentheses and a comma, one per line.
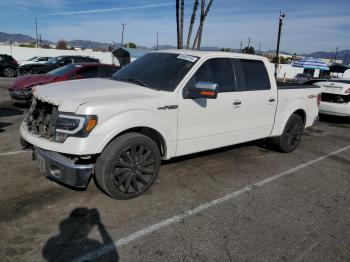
(237,103)
(272,100)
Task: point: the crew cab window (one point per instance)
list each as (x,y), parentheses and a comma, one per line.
(88,72)
(255,75)
(216,70)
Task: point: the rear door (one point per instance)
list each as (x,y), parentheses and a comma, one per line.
(257,98)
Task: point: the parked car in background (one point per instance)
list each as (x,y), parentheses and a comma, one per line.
(301,78)
(21,90)
(165,104)
(35,60)
(8,65)
(53,63)
(335,97)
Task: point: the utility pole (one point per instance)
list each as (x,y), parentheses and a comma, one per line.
(249,42)
(259,48)
(123,25)
(240,47)
(282,15)
(36,33)
(157,42)
(336,54)
(40,40)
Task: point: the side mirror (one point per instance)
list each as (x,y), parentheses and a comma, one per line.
(203,90)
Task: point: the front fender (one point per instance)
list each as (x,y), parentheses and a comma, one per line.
(123,121)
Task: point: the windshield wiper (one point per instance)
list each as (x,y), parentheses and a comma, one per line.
(137,81)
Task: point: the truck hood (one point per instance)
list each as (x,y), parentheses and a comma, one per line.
(69,95)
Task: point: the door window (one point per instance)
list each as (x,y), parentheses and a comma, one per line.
(254,75)
(216,70)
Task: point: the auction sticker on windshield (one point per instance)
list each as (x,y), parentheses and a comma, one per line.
(188,58)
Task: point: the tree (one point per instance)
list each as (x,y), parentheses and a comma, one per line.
(198,38)
(131,45)
(178,23)
(180,20)
(193,18)
(248,50)
(61,44)
(182,7)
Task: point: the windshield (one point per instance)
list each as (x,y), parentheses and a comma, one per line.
(61,71)
(53,60)
(161,71)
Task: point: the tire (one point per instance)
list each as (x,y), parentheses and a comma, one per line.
(9,72)
(322,117)
(291,136)
(128,166)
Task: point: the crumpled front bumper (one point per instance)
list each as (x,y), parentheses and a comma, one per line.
(62,169)
(20,94)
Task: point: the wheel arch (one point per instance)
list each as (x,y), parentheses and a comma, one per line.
(150,132)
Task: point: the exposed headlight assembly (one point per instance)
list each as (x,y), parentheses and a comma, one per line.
(69,125)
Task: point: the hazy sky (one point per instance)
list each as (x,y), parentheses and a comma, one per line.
(309,25)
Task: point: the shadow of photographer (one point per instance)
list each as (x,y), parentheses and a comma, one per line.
(73,240)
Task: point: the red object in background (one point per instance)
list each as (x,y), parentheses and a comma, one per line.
(22,87)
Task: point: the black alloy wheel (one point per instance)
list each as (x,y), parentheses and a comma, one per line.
(128,166)
(134,169)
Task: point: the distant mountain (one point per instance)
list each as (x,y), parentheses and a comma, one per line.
(19,38)
(91,44)
(343,55)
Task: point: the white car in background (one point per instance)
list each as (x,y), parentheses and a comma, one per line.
(335,97)
(35,59)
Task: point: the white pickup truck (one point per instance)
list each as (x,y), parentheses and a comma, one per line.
(163,105)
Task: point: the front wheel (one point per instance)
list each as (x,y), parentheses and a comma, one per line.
(291,136)
(128,166)
(9,72)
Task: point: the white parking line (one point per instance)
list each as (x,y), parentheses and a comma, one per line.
(143,232)
(12,153)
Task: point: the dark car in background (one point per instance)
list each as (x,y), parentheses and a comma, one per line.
(21,90)
(53,63)
(301,78)
(8,65)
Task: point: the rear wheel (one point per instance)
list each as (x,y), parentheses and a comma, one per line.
(128,166)
(291,136)
(9,72)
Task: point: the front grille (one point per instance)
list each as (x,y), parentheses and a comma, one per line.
(41,119)
(335,98)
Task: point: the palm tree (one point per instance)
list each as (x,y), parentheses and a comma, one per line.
(193,18)
(198,39)
(177,23)
(182,7)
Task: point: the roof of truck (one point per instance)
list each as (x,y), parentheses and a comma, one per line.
(211,53)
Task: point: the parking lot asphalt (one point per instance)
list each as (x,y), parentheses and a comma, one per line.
(240,203)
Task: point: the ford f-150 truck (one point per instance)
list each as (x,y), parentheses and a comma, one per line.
(163,105)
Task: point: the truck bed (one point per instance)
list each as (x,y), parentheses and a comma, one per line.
(282,86)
